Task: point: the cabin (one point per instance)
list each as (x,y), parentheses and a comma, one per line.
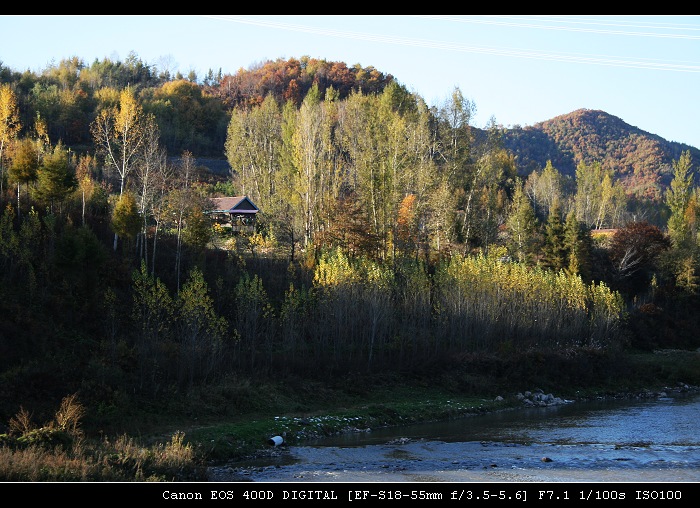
(236,212)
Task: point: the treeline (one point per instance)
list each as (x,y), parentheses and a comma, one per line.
(391,235)
(191,111)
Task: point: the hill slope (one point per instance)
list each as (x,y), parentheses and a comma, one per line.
(641,160)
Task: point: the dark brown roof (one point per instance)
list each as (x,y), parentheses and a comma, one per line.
(240,204)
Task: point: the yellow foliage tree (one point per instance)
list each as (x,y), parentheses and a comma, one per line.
(9,123)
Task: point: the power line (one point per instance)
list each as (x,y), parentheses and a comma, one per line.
(577,21)
(611,61)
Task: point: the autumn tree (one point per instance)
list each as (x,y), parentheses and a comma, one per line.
(252,149)
(635,251)
(433,208)
(9,124)
(599,200)
(373,131)
(349,230)
(440,218)
(164,179)
(455,117)
(332,174)
(308,160)
(356,121)
(198,231)
(588,180)
(189,118)
(152,158)
(25,165)
(456,141)
(682,199)
(119,133)
(492,179)
(544,188)
(611,204)
(85,176)
(126,222)
(285,217)
(407,224)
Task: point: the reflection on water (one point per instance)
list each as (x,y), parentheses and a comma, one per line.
(672,421)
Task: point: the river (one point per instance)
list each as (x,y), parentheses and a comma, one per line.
(654,440)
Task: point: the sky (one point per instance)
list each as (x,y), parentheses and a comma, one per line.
(516,70)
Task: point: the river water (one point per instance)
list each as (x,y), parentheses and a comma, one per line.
(655,440)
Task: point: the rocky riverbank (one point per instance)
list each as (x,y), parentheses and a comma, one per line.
(404,459)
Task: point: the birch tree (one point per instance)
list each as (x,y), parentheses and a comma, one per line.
(253,142)
(288,220)
(179,205)
(119,134)
(374,137)
(86,183)
(308,159)
(434,200)
(599,200)
(455,117)
(153,157)
(544,188)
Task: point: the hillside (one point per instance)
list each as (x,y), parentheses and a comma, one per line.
(641,160)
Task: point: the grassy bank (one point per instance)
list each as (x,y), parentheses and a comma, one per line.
(177,439)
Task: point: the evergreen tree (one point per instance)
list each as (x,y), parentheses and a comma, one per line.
(678,197)
(578,246)
(56,177)
(554,250)
(521,225)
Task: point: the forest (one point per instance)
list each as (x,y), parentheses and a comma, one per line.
(392,236)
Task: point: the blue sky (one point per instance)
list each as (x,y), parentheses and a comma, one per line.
(516,69)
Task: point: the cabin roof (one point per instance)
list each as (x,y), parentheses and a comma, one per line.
(234,204)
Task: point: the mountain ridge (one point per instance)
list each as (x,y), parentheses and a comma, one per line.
(641,160)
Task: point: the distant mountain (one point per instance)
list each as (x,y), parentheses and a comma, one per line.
(640,160)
